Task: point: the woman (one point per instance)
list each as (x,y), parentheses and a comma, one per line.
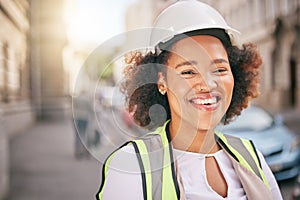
(201,79)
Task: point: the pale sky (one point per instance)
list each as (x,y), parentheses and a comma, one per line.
(94,21)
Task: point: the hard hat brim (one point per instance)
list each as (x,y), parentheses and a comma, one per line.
(216,32)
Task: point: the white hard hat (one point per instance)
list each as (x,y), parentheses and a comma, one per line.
(186,16)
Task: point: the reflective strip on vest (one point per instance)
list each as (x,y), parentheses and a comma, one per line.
(105,168)
(145,167)
(164,182)
(249,145)
(155,152)
(244,152)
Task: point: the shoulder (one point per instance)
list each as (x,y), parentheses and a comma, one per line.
(124,160)
(123,174)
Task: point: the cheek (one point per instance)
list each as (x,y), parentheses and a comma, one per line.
(228,84)
(175,83)
(178,89)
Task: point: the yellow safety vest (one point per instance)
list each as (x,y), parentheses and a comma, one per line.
(155,157)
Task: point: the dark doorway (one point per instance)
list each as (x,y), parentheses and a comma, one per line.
(293,79)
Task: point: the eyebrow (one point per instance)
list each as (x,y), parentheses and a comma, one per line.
(219,60)
(193,62)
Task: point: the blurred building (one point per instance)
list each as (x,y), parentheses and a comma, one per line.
(31,73)
(49,88)
(143,13)
(15,101)
(14,67)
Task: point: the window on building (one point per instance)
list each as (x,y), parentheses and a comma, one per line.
(270,8)
(242,14)
(279,7)
(13,75)
(291,5)
(284,7)
(261,6)
(10,74)
(251,13)
(3,72)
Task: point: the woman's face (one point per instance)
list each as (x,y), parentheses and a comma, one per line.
(199,82)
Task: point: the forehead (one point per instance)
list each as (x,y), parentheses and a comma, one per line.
(198,47)
(198,42)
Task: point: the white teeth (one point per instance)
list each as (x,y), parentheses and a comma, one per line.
(212,100)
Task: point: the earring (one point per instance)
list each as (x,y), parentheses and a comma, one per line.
(161,84)
(162,91)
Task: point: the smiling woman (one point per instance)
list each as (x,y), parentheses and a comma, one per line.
(201,78)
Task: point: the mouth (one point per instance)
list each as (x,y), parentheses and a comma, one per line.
(206,102)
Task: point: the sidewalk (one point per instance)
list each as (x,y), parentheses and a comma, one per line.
(43,166)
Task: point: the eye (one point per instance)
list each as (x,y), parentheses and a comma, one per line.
(221,69)
(188,73)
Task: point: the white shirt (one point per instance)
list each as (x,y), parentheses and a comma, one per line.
(124,180)
(194,180)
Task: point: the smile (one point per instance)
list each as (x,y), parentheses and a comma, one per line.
(209,101)
(206,102)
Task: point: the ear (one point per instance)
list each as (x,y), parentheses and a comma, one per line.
(161,83)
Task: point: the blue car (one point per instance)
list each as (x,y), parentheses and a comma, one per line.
(279,145)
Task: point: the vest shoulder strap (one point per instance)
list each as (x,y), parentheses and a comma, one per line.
(156,160)
(243,151)
(149,150)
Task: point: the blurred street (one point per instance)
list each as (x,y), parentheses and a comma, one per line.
(43,166)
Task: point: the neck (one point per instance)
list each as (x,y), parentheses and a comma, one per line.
(196,140)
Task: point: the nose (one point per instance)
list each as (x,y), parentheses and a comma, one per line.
(205,83)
